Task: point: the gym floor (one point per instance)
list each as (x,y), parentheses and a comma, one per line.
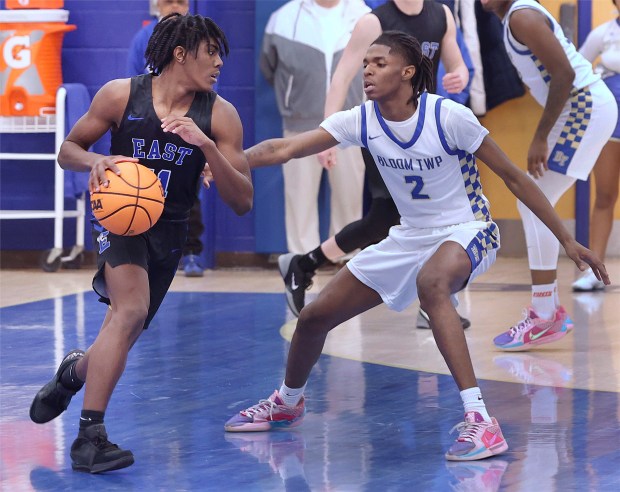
(380,400)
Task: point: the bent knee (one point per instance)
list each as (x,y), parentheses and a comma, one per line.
(605,200)
(314,319)
(431,287)
(132,316)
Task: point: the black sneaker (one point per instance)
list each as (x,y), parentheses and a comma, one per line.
(423,323)
(91,452)
(296,281)
(54,398)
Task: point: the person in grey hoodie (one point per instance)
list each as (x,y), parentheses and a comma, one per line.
(302,44)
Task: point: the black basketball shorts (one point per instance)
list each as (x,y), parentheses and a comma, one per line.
(157,250)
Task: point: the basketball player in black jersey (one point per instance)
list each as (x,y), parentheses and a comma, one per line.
(433,24)
(168,121)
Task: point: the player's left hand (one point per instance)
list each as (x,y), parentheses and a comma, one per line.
(583,258)
(185,128)
(453,83)
(537,157)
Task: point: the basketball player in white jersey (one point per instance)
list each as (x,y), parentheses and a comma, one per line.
(424,148)
(579,116)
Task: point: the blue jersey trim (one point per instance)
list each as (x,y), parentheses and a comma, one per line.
(418,128)
(364,129)
(440,132)
(507,26)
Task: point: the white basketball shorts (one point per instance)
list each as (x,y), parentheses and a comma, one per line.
(392,266)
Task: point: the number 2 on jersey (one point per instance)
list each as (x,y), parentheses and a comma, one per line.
(418,184)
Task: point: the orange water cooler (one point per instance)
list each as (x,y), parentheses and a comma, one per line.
(30,57)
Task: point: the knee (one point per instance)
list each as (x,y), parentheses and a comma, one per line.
(372,229)
(431,288)
(131,318)
(606,199)
(313,321)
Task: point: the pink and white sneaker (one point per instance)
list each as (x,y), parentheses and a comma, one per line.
(533,330)
(267,415)
(477,439)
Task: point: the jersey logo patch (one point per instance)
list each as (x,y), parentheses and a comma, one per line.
(103,241)
(133,118)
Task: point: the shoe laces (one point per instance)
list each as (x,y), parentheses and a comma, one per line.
(261,406)
(100,441)
(102,444)
(523,325)
(467,430)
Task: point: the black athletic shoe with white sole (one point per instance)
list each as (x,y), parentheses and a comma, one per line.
(423,323)
(296,281)
(54,398)
(91,452)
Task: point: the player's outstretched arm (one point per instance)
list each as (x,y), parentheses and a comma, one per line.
(524,188)
(280,150)
(227,162)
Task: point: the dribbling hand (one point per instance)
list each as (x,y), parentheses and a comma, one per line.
(98,177)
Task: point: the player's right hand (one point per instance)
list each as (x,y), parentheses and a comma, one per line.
(98,177)
(537,158)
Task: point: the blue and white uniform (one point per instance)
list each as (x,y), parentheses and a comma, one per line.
(428,166)
(590,114)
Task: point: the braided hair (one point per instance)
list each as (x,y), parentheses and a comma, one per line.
(410,50)
(187,31)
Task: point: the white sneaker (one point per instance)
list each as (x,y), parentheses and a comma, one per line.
(588,282)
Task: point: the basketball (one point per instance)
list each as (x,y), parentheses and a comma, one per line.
(132,203)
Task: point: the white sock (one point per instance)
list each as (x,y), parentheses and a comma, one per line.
(473,402)
(291,396)
(556,295)
(543,300)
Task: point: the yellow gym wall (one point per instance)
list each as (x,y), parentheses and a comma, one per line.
(512,126)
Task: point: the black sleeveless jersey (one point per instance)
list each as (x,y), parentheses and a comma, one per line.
(176,163)
(428,27)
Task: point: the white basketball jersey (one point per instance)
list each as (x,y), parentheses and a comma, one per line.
(432,184)
(532,71)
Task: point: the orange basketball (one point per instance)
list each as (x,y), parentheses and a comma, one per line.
(132,203)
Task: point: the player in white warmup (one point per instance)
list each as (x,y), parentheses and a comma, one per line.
(424,148)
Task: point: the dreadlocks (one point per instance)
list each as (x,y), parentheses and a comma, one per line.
(187,31)
(410,50)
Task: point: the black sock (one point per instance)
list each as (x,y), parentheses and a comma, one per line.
(90,417)
(69,379)
(313,260)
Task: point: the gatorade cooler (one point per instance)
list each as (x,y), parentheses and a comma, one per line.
(30,47)
(34,4)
